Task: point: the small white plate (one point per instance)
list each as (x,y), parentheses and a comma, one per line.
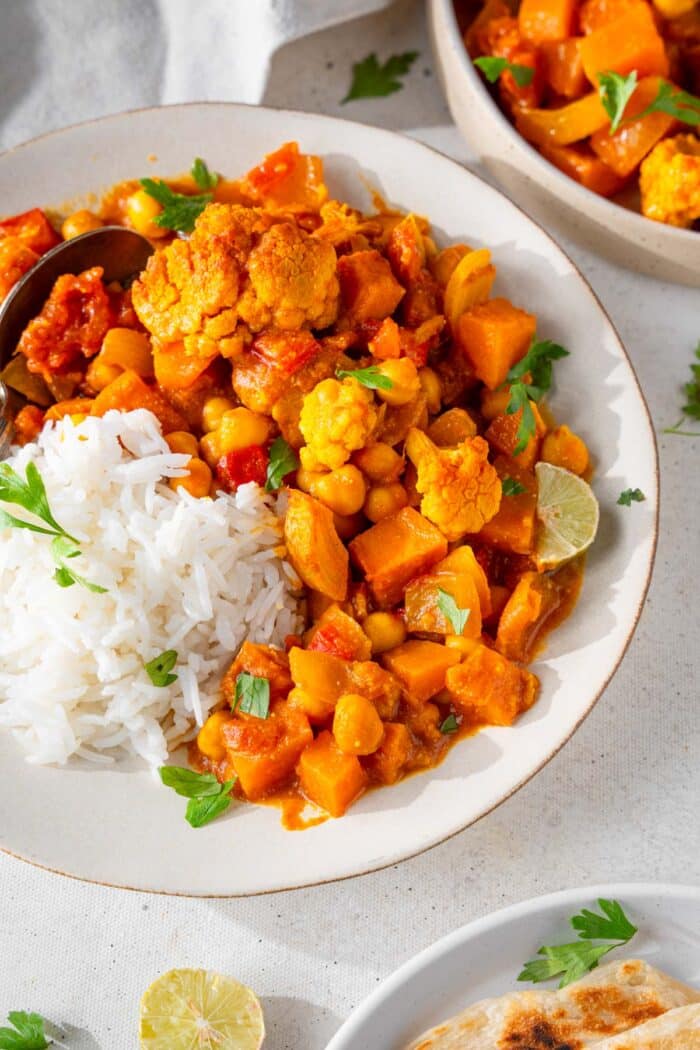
(484,958)
(118,825)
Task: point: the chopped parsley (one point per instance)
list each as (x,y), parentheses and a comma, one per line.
(691,408)
(511,487)
(27,1032)
(180,211)
(492,67)
(370,377)
(371,79)
(158,669)
(630,496)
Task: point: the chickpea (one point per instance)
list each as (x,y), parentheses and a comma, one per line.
(79,222)
(213,412)
(379,461)
(385,631)
(181,441)
(99,374)
(404,379)
(565,449)
(210,448)
(141,210)
(241,428)
(197,481)
(431,387)
(383,500)
(306,479)
(462,645)
(209,737)
(342,490)
(357,728)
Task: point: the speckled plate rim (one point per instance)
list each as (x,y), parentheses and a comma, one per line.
(350,1036)
(429,842)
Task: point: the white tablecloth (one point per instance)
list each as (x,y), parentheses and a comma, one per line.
(620,802)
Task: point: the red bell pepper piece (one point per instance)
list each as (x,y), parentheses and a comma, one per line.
(33,229)
(243,465)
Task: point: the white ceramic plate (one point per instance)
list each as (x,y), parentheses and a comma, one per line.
(624,235)
(484,958)
(119,826)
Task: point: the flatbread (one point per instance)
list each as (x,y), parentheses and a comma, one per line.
(611,999)
(677,1029)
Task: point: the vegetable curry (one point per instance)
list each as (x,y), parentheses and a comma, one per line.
(343,360)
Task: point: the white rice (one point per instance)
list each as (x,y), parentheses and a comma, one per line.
(195,575)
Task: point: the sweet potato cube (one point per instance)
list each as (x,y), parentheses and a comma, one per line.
(631,41)
(337,633)
(423,613)
(512,529)
(535,598)
(395,550)
(264,751)
(368,288)
(33,229)
(390,759)
(329,777)
(314,547)
(128,391)
(421,666)
(624,151)
(15,260)
(502,434)
(543,20)
(490,690)
(495,335)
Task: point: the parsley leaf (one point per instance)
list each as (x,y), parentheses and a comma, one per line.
(615,92)
(574,960)
(158,669)
(63,547)
(511,487)
(450,725)
(180,211)
(28,1032)
(455,616)
(205,179)
(370,377)
(252,695)
(207,797)
(691,408)
(283,460)
(372,80)
(492,67)
(537,363)
(677,103)
(625,498)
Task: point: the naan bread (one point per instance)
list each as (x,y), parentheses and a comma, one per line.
(611,999)
(677,1029)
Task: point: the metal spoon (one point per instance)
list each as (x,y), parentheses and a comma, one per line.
(120,252)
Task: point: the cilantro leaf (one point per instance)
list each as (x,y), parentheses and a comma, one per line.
(158,669)
(29,494)
(626,498)
(180,211)
(691,408)
(370,79)
(202,810)
(205,179)
(283,460)
(537,363)
(450,725)
(370,377)
(28,1032)
(455,616)
(615,92)
(252,695)
(677,103)
(612,925)
(188,783)
(511,487)
(492,67)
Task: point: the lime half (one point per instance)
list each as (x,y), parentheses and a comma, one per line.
(200,1010)
(567,515)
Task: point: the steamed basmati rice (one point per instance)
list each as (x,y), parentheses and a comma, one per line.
(195,575)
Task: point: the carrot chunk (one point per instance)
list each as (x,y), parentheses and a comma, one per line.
(631,41)
(329,777)
(543,20)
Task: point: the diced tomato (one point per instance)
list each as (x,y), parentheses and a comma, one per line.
(15,260)
(287,178)
(328,639)
(28,423)
(33,229)
(243,465)
(287,351)
(386,344)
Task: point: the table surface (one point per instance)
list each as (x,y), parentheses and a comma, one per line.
(619,802)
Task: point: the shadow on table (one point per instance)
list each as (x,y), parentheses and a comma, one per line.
(69,1036)
(292,1023)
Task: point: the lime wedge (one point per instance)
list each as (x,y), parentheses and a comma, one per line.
(567,515)
(200,1010)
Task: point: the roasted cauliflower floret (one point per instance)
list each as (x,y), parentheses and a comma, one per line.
(670,181)
(293,281)
(238,266)
(337,418)
(461,490)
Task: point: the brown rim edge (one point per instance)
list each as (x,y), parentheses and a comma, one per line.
(383,865)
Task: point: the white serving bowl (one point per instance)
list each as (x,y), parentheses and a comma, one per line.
(118,825)
(624,235)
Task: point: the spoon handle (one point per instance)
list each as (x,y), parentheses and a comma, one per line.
(5,423)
